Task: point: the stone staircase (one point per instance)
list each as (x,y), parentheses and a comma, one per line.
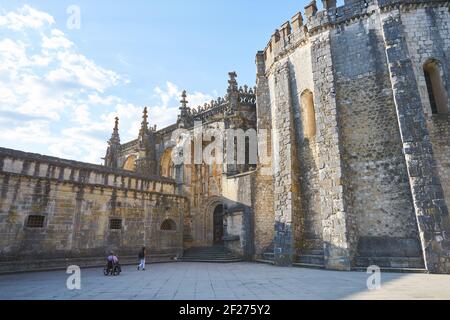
(311,258)
(391,264)
(215,254)
(390,254)
(268,256)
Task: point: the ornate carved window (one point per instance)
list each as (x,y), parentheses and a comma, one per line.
(437,94)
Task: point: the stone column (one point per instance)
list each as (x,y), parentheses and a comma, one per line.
(76,232)
(264,118)
(430,207)
(285,173)
(332,203)
(262,182)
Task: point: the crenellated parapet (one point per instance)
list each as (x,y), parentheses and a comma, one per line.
(36,166)
(209,109)
(244,96)
(299,29)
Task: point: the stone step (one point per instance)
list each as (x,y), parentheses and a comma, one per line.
(313,252)
(216,248)
(390,262)
(206,253)
(211,260)
(308,265)
(199,252)
(217,254)
(209,257)
(205,250)
(265,261)
(393,270)
(311,259)
(269,256)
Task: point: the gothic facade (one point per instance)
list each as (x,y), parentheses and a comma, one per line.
(351,109)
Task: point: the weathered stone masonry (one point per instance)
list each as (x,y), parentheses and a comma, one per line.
(353,159)
(382,156)
(77,202)
(431,209)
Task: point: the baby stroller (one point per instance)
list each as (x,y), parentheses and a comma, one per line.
(112,269)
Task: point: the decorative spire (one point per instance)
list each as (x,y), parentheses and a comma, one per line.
(144,125)
(184,118)
(115,138)
(232,83)
(116,124)
(183,102)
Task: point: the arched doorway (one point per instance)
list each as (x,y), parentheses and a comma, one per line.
(218,229)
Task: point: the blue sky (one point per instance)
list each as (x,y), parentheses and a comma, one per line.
(60,88)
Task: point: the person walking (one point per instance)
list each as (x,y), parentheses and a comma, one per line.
(142,259)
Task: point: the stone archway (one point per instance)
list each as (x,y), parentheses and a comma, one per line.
(213,210)
(218,225)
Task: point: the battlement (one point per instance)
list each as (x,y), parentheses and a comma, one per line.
(13,162)
(213,105)
(235,98)
(246,97)
(299,29)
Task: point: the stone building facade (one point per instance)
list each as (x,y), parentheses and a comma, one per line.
(361,144)
(351,108)
(55,213)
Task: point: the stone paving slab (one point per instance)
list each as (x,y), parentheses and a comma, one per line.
(237,281)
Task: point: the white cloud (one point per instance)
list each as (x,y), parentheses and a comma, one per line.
(26,17)
(82,114)
(167,111)
(55,100)
(13,55)
(56,41)
(199,99)
(34,132)
(76,68)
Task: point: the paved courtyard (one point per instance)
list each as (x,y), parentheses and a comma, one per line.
(239,281)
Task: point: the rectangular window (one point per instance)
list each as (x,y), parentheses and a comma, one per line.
(115,224)
(35,222)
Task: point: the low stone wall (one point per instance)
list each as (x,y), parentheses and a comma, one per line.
(54,210)
(85,262)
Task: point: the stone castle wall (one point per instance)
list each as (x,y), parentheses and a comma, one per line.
(78,202)
(377,190)
(427,36)
(355,170)
(358,178)
(263,182)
